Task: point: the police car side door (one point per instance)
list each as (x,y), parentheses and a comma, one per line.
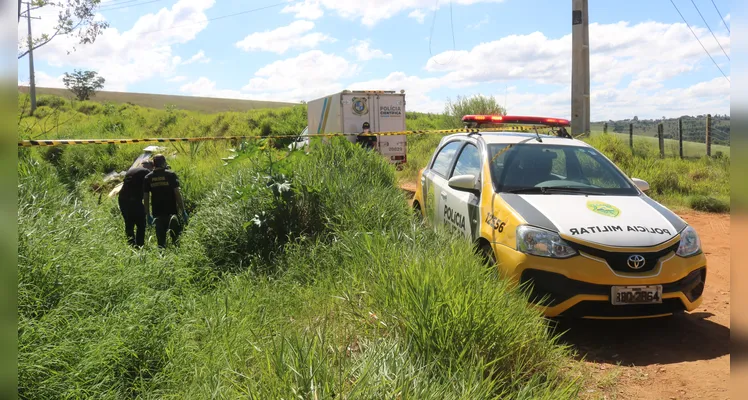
(461,209)
(435,181)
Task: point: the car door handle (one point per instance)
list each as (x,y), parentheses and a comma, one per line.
(444,195)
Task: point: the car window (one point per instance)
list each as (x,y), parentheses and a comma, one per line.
(559,163)
(468,162)
(595,172)
(524,166)
(444,158)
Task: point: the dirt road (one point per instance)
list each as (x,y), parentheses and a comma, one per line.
(684,357)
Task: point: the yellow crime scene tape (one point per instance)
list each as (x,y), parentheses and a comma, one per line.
(63,142)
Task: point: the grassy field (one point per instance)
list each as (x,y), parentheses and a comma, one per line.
(190,103)
(690,149)
(298,276)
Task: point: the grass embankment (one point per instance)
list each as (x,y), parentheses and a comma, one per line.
(702,184)
(303,277)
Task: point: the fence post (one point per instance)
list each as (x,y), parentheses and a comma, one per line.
(631,136)
(709,135)
(661,140)
(605,127)
(680,136)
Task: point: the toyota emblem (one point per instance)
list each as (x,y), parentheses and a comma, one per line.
(635,261)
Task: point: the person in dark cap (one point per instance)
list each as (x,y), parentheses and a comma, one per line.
(163,185)
(368,142)
(131,203)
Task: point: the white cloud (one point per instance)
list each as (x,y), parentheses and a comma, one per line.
(364,52)
(204,87)
(180,78)
(646,50)
(372,12)
(43,79)
(418,15)
(307,76)
(416,90)
(199,57)
(123,58)
(478,24)
(646,102)
(280,40)
(307,9)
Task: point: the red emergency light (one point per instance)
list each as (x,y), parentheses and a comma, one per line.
(513,119)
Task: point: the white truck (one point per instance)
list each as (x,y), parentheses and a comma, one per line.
(346,112)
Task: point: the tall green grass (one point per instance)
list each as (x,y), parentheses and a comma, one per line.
(301,275)
(673,181)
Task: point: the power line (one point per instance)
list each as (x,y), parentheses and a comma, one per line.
(710,29)
(720,16)
(431,34)
(128,5)
(216,18)
(114,3)
(697,39)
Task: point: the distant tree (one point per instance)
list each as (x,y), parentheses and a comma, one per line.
(83,83)
(478,104)
(636,119)
(74,18)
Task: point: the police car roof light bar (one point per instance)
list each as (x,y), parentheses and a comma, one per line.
(515,119)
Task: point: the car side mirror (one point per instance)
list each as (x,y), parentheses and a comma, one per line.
(466,183)
(641,184)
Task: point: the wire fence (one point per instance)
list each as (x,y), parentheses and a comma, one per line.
(684,137)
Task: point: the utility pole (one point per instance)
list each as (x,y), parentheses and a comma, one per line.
(580,68)
(32,84)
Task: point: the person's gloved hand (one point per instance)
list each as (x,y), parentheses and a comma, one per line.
(150,220)
(185,217)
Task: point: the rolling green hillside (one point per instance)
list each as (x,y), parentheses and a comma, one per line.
(191,103)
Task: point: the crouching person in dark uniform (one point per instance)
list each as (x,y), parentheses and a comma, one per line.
(367,142)
(131,203)
(161,189)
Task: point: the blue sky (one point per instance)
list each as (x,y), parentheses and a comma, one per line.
(644,60)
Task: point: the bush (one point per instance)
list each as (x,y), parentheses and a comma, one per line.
(477,104)
(709,204)
(90,108)
(55,102)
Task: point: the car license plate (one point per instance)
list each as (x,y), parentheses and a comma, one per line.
(620,295)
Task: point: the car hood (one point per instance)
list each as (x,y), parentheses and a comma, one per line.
(620,221)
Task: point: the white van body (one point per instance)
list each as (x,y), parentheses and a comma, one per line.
(346,112)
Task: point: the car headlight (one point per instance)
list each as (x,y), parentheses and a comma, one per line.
(690,243)
(540,242)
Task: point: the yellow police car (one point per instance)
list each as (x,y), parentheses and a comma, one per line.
(556,215)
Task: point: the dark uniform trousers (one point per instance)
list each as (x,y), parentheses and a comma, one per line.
(134,214)
(167,224)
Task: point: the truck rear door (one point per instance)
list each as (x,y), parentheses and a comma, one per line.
(390,116)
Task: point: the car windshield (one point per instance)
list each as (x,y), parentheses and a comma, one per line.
(547,168)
